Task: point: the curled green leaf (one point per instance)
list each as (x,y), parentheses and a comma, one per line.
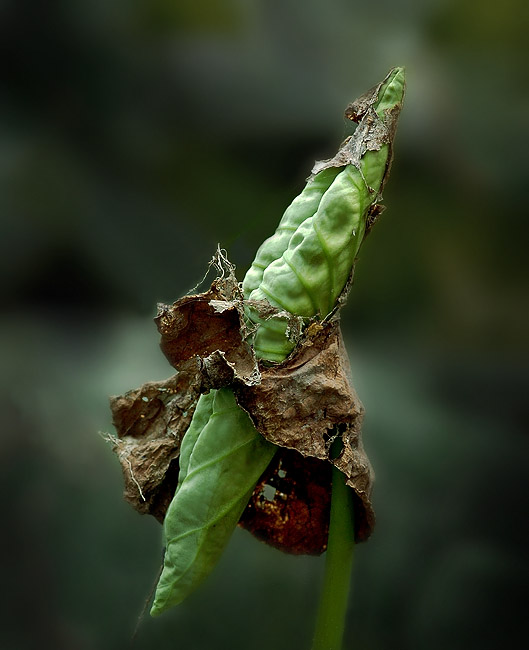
(310,274)
(301,208)
(223,456)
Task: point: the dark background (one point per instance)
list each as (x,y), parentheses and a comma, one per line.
(134,136)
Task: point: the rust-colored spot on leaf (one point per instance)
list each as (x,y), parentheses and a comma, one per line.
(290,506)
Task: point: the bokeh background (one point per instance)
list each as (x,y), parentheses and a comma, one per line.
(135,136)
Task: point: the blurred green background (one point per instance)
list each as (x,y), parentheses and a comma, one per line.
(134,136)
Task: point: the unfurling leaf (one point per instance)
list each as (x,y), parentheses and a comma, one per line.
(305,266)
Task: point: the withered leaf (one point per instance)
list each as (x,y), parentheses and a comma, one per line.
(301,405)
(306,402)
(290,506)
(209,326)
(151,422)
(374,130)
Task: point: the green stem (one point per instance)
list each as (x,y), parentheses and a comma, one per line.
(330,623)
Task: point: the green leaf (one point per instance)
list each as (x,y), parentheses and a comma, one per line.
(301,208)
(201,416)
(311,273)
(223,456)
(304,271)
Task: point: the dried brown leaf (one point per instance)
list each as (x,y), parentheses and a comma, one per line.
(209,326)
(306,402)
(290,506)
(151,422)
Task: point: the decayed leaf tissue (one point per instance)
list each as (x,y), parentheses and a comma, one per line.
(301,405)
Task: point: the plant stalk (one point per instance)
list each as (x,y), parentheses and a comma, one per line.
(330,622)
